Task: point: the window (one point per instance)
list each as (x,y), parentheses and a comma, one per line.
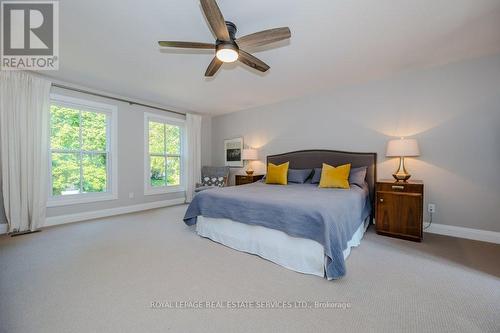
(82,141)
(164,154)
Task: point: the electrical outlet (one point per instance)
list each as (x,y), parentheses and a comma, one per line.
(131,195)
(431,208)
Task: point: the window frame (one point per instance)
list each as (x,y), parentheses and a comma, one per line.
(111,112)
(148,189)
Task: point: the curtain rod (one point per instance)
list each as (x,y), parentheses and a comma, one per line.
(115,98)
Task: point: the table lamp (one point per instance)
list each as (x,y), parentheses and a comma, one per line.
(402,148)
(249,155)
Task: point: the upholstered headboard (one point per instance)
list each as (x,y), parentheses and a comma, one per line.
(308,159)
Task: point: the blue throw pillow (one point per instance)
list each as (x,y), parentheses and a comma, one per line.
(298,175)
(356,177)
(316,176)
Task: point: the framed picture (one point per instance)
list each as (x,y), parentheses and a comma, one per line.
(232,152)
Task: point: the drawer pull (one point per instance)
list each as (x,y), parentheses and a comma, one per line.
(381,200)
(398,187)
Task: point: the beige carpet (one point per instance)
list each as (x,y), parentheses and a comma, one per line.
(102,275)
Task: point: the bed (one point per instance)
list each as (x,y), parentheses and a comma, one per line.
(298,226)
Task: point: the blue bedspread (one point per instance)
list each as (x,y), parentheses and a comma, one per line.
(328,216)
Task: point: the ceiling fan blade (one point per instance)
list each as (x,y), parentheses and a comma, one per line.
(213,67)
(264,37)
(187,45)
(215,19)
(252,61)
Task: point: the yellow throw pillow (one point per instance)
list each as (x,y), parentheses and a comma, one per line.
(335,177)
(277,174)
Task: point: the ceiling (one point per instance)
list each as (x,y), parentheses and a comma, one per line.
(112,46)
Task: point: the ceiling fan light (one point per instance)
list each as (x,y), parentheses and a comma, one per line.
(227,53)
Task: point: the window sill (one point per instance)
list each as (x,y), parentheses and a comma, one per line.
(79,199)
(163,190)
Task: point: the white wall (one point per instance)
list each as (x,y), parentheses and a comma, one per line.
(454,112)
(130,158)
(206,140)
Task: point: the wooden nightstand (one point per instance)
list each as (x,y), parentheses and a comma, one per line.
(399,209)
(243,179)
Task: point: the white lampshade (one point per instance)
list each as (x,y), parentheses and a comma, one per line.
(402,147)
(249,154)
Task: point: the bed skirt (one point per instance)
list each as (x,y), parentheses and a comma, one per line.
(297,254)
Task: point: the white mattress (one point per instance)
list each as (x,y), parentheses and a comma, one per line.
(298,254)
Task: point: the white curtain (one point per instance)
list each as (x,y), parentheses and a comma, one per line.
(24,122)
(193,155)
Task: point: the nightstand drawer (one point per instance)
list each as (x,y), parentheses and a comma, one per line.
(242,179)
(247,179)
(400,187)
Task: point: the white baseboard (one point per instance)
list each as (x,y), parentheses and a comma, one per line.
(3,228)
(70,218)
(469,233)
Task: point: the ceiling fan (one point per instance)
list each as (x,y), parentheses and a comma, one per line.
(227,47)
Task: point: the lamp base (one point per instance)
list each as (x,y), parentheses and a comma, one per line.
(401,175)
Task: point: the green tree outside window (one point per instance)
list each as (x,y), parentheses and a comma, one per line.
(79,154)
(164,154)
